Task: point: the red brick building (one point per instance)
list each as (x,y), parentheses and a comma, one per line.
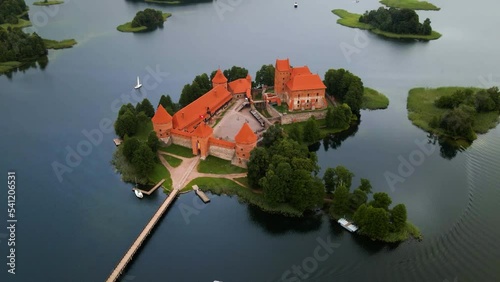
(298,87)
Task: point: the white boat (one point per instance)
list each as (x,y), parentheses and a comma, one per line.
(347,225)
(138,193)
(139,85)
(295,5)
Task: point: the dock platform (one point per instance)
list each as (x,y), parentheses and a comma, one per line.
(152,189)
(200,194)
(347,225)
(117,141)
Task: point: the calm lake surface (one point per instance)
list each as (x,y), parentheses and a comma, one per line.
(77,229)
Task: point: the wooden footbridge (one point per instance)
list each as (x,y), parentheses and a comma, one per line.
(152,189)
(142,237)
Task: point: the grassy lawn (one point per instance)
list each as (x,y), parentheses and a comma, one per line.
(243,180)
(265,113)
(324,131)
(352,20)
(8,66)
(160,172)
(410,4)
(421,109)
(173,161)
(127,27)
(48,3)
(282,109)
(374,100)
(220,186)
(143,130)
(54,44)
(178,150)
(218,166)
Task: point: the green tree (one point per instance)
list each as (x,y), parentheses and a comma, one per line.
(342,177)
(265,76)
(375,222)
(276,183)
(340,204)
(365,186)
(484,102)
(166,102)
(235,73)
(143,160)
(360,215)
(305,191)
(381,200)
(398,217)
(149,18)
(357,198)
(203,82)
(295,132)
(329,180)
(146,107)
(130,145)
(311,131)
(272,135)
(126,124)
(459,122)
(153,141)
(341,116)
(257,166)
(329,118)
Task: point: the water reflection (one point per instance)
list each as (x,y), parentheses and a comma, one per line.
(335,140)
(278,224)
(448,148)
(41,63)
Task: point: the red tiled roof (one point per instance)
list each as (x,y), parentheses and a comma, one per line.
(283,65)
(219,77)
(246,135)
(305,82)
(191,114)
(203,130)
(161,116)
(300,71)
(240,85)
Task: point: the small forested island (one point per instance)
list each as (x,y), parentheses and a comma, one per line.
(455,112)
(391,23)
(18,48)
(147,20)
(47,3)
(174,2)
(410,4)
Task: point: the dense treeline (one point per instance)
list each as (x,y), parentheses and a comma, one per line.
(463,105)
(232,74)
(135,158)
(400,21)
(345,87)
(150,18)
(265,76)
(10,9)
(15,45)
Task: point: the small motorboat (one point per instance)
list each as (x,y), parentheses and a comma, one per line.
(139,85)
(138,194)
(295,5)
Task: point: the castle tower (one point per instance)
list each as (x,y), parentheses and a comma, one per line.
(245,140)
(199,140)
(162,122)
(282,74)
(219,79)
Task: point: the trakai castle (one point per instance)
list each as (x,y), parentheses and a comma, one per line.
(189,127)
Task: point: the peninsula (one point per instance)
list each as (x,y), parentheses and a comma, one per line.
(47,3)
(410,4)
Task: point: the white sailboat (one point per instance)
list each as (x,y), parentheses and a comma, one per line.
(139,85)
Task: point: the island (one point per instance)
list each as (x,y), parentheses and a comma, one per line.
(410,4)
(146,20)
(13,17)
(458,113)
(47,3)
(397,23)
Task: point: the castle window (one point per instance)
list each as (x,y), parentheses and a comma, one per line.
(242,149)
(243,155)
(316,100)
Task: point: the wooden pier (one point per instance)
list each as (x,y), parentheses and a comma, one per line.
(150,190)
(142,236)
(200,194)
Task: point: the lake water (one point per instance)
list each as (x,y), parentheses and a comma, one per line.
(77,229)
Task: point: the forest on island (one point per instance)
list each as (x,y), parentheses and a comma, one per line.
(10,10)
(15,45)
(400,21)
